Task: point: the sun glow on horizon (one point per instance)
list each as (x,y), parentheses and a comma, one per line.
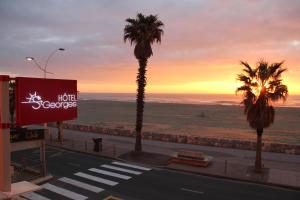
(189,88)
(201,87)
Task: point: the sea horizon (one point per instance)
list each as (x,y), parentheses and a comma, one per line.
(182,98)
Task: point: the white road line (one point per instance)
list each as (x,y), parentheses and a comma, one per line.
(100,171)
(56,154)
(34,196)
(122,169)
(132,166)
(81,184)
(193,191)
(64,192)
(97,179)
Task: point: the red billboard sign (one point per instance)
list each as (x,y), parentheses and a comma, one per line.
(45,100)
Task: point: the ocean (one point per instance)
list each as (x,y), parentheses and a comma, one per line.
(204,99)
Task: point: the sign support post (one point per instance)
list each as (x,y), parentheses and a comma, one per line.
(43,156)
(5,175)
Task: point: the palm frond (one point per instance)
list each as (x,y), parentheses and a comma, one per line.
(266,81)
(262,71)
(251,72)
(243,88)
(131,21)
(278,73)
(243,78)
(140,17)
(280,92)
(274,67)
(248,101)
(143,31)
(273,84)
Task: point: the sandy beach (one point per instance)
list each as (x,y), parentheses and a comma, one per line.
(199,120)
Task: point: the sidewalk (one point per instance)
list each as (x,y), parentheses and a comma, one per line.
(281,169)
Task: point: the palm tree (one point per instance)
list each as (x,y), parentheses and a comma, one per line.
(142,31)
(262,85)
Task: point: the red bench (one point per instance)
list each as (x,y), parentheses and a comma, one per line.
(194,158)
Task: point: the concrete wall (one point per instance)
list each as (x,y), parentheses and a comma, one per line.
(216,142)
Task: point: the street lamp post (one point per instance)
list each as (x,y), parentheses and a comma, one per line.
(44,68)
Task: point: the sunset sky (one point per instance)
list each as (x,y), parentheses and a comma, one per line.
(200,50)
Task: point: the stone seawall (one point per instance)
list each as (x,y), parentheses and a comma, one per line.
(226,143)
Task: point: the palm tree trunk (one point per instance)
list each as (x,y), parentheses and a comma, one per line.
(141,81)
(258,164)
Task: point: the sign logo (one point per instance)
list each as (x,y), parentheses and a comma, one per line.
(64,101)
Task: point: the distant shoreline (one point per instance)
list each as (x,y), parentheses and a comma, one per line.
(293,101)
(217,103)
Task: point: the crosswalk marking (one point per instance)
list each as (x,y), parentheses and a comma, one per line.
(64,192)
(34,196)
(100,171)
(75,196)
(132,166)
(97,179)
(122,169)
(81,184)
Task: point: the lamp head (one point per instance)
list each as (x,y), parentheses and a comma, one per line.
(29,58)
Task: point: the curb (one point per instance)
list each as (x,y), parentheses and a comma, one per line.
(236,179)
(42,179)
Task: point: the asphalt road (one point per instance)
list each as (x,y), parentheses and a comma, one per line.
(154,184)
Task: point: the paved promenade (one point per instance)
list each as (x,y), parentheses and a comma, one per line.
(280,169)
